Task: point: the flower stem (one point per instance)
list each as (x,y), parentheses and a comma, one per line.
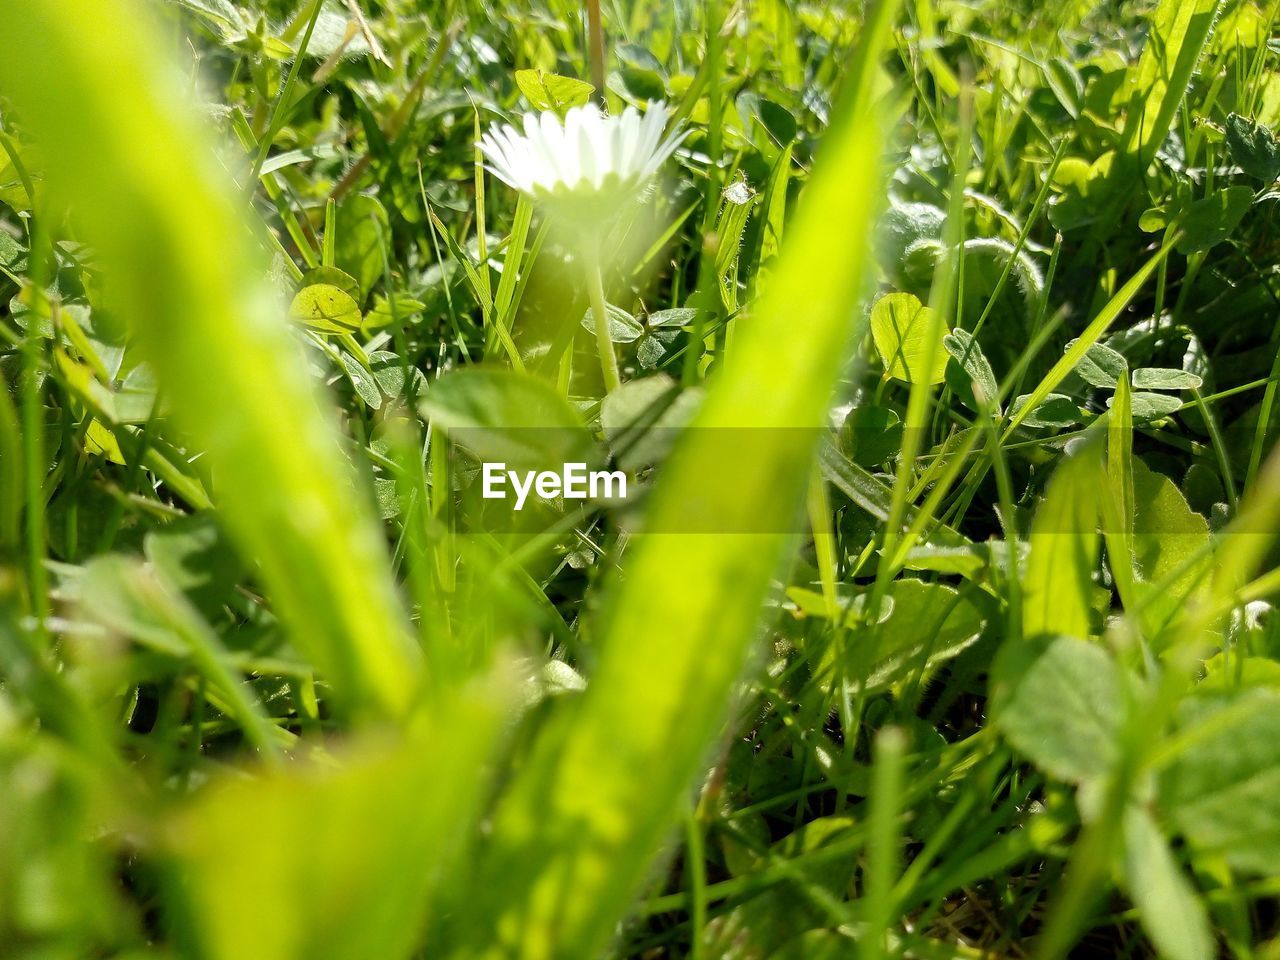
(600,313)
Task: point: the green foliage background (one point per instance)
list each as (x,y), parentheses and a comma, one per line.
(962,644)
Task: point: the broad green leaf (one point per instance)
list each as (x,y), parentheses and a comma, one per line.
(193,554)
(1172,913)
(1223,791)
(1165,378)
(382,314)
(1086,190)
(100,441)
(1253,148)
(871,435)
(623,327)
(929,623)
(1060,704)
(1151,406)
(366,385)
(576,834)
(550,91)
(1058,581)
(168,226)
(972,371)
(903,330)
(975,562)
(1100,366)
(1167,535)
(514,418)
(851,602)
(1213,219)
(1055,410)
(642,419)
(363,230)
(643,84)
(675,317)
(328,302)
(394,380)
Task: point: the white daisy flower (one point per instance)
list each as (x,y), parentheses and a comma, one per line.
(587,156)
(585,168)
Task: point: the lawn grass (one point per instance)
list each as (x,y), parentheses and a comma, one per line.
(941,359)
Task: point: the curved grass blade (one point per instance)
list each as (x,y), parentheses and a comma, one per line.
(165,221)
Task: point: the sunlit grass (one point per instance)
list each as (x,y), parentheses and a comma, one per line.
(937,343)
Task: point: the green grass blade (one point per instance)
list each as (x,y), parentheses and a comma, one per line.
(586,816)
(167,226)
(1179,29)
(337,860)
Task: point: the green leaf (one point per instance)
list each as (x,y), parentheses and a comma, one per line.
(394,380)
(1055,410)
(1066,83)
(328,302)
(1100,366)
(1086,190)
(908,336)
(642,419)
(871,435)
(1253,148)
(363,230)
(1092,334)
(513,418)
(643,84)
(1165,378)
(929,623)
(1223,791)
(550,91)
(1168,536)
(972,372)
(1209,221)
(623,327)
(1060,703)
(381,315)
(675,317)
(1151,406)
(326,309)
(366,385)
(194,555)
(1058,582)
(1172,913)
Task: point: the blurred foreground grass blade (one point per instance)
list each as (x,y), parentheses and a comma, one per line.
(338,860)
(89,83)
(579,830)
